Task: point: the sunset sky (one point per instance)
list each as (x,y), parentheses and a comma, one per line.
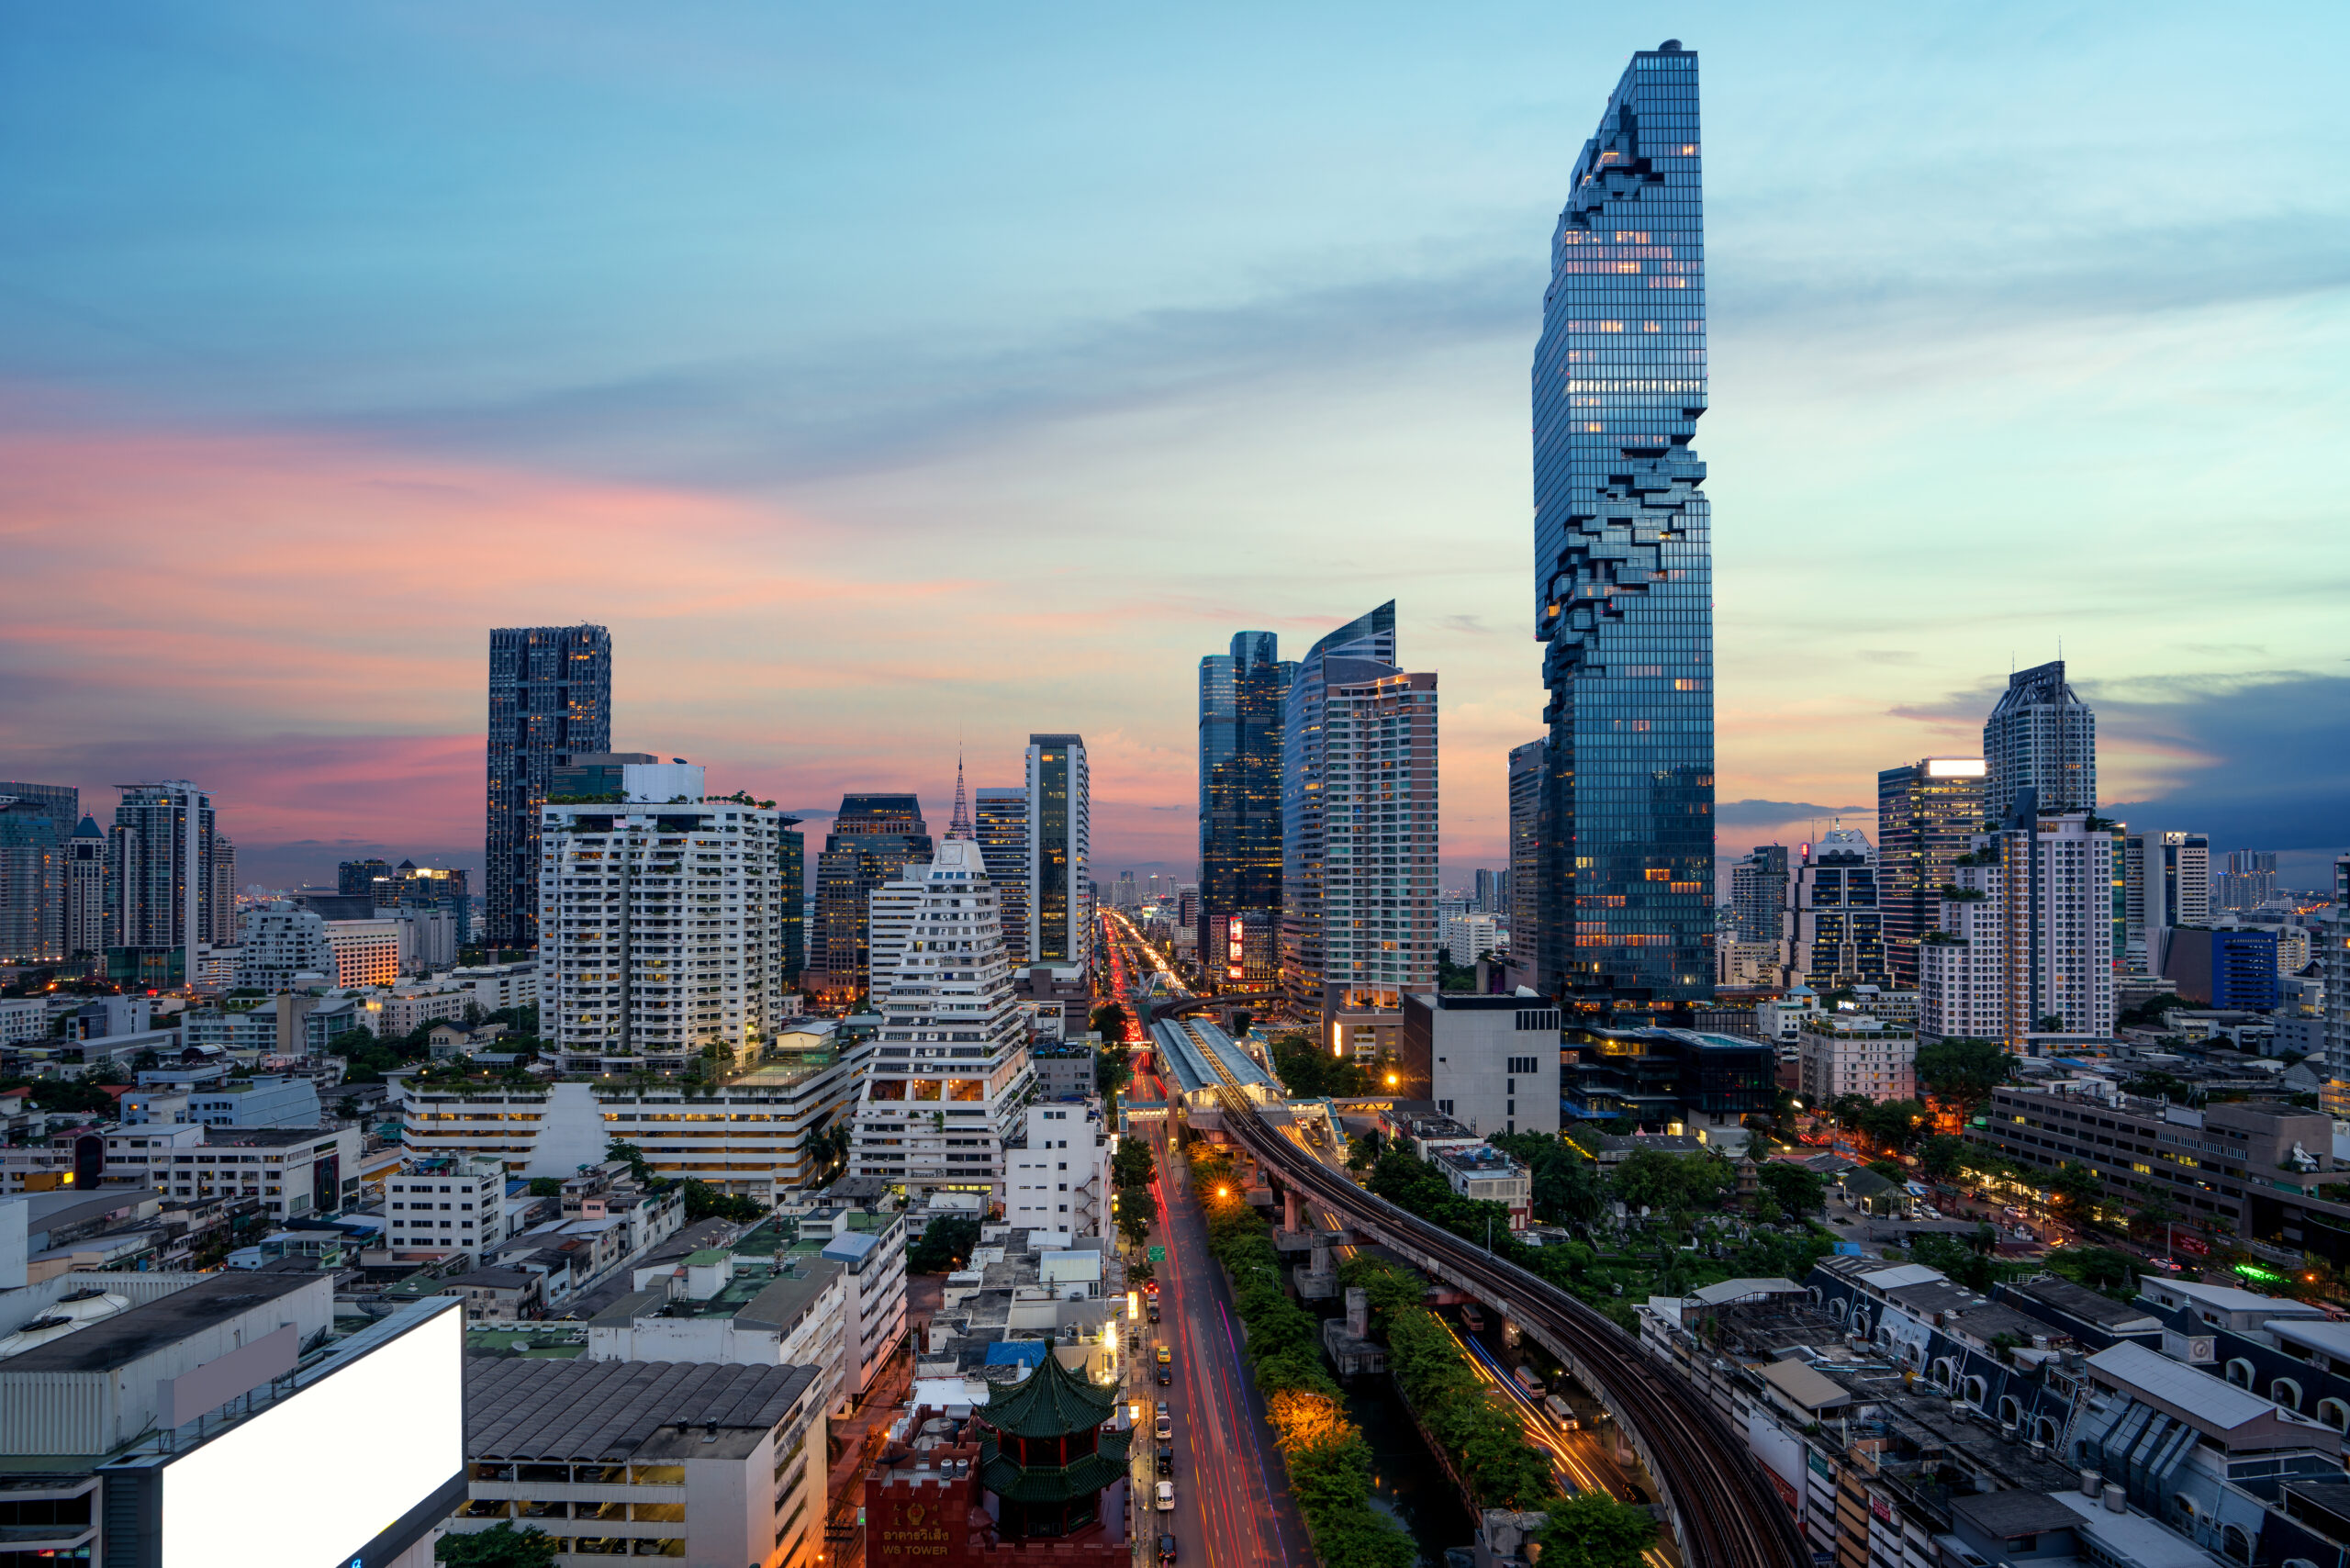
(895,378)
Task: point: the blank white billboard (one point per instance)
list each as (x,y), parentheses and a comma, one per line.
(311,1480)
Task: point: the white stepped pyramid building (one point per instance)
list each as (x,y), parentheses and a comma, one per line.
(950,1070)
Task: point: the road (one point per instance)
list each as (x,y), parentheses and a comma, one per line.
(1233,1506)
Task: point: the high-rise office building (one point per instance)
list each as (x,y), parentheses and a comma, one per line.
(2247,881)
(2023,947)
(1061,845)
(1358,833)
(1244,698)
(1526,775)
(160,869)
(1623,595)
(355,878)
(34,833)
(86,914)
(1368,640)
(951,1066)
(228,924)
(1834,925)
(871,840)
(1758,894)
(1927,816)
(661,924)
(2042,738)
(1003,827)
(791,862)
(2166,883)
(1488,890)
(550,694)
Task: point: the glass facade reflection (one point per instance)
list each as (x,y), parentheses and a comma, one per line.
(1243,696)
(1622,562)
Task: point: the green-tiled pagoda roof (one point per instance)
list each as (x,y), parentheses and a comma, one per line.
(1051,1402)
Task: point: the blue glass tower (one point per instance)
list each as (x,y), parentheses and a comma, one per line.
(1623,594)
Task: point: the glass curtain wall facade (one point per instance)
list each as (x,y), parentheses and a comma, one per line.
(1244,698)
(1060,900)
(1927,816)
(872,839)
(1004,842)
(1525,911)
(550,693)
(2042,737)
(1622,559)
(1367,638)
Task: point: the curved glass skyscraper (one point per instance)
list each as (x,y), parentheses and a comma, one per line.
(1622,564)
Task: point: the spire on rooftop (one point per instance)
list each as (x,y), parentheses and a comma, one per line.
(959,826)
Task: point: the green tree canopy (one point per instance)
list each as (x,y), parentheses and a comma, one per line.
(1963,1072)
(945,1244)
(1592,1530)
(1797,1191)
(1674,1184)
(499,1546)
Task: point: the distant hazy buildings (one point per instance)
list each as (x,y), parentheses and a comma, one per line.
(1060,847)
(36,828)
(2247,881)
(550,694)
(872,839)
(1927,816)
(2039,737)
(1358,833)
(1244,698)
(1622,566)
(160,865)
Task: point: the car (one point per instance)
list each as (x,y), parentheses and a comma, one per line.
(1150,1287)
(1166,1496)
(1166,1549)
(2168,1265)
(1165,1429)
(1166,1462)
(1166,1377)
(1154,1311)
(1165,1354)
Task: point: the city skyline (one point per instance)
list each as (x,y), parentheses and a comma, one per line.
(420,424)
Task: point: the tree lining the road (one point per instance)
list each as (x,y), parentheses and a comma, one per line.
(1328,1463)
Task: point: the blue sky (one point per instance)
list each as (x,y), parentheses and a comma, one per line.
(888,378)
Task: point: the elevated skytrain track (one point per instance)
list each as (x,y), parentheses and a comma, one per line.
(1725,1512)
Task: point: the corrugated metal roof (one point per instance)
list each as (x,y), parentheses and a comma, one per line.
(2206,1397)
(525,1408)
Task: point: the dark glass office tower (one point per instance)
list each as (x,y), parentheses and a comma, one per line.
(1622,564)
(1060,847)
(1927,816)
(791,858)
(872,839)
(1243,697)
(1002,827)
(550,693)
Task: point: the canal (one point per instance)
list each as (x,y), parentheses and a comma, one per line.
(1405,1482)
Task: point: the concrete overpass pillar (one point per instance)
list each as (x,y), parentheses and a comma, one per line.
(1290,1220)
